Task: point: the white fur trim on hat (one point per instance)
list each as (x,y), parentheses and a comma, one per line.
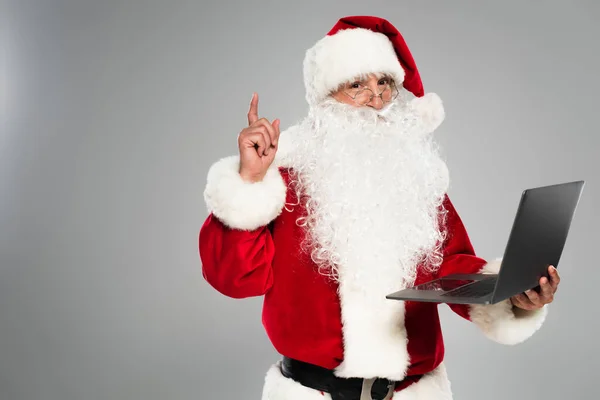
(240,204)
(500,323)
(348,54)
(434,385)
(430,109)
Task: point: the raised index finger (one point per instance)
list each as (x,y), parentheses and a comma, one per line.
(253,112)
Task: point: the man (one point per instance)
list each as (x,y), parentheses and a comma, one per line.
(328,217)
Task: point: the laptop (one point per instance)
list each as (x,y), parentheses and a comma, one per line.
(536,241)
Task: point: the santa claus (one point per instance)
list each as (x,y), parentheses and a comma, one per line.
(329,216)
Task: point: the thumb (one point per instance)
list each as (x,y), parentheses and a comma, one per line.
(276,123)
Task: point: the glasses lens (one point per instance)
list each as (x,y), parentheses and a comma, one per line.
(390,93)
(363,96)
(386,95)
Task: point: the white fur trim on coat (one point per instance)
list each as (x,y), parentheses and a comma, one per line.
(348,54)
(431,110)
(373,328)
(500,323)
(278,387)
(375,337)
(434,385)
(240,204)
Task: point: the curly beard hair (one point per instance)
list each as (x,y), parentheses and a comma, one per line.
(373,184)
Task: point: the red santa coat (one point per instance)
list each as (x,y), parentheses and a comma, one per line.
(249,246)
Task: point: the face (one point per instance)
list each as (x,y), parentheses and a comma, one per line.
(374,91)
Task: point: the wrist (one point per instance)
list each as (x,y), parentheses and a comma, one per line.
(251,178)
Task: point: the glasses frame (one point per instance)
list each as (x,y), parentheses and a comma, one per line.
(391,86)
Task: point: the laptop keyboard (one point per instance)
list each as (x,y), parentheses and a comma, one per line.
(477,289)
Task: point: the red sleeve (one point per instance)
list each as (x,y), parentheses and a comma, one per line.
(459,255)
(236,262)
(499,322)
(235,243)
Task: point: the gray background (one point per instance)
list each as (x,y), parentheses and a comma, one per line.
(113,112)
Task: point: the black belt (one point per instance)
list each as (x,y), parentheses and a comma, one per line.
(323,379)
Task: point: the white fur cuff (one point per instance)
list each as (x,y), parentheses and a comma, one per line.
(240,204)
(500,323)
(431,110)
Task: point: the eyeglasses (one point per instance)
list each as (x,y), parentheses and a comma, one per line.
(362,95)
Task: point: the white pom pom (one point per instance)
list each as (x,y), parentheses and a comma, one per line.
(431,110)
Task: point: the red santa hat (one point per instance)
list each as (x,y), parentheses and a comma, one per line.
(356,46)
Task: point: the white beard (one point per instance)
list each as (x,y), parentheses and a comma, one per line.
(373,188)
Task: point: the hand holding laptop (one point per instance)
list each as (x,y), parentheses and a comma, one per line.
(527,272)
(532,300)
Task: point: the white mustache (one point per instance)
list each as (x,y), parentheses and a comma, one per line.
(385,111)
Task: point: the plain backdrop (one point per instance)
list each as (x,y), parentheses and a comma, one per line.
(113,111)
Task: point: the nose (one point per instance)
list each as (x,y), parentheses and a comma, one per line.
(376,102)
